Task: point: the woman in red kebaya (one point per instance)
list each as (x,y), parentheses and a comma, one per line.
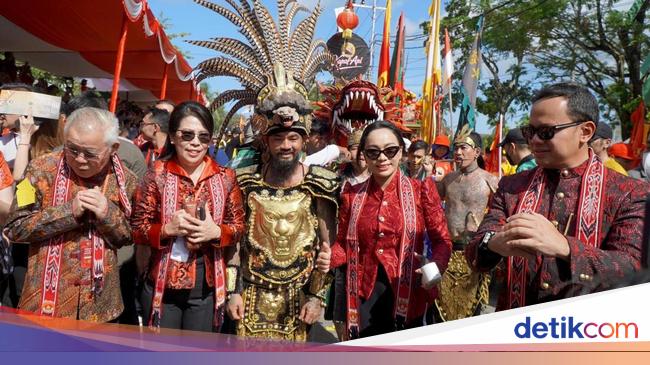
(188,209)
(382,223)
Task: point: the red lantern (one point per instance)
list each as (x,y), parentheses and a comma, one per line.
(347,20)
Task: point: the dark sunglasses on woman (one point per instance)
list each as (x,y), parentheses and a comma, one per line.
(389,152)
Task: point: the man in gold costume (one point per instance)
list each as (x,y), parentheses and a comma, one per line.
(280,265)
(466,192)
(275,277)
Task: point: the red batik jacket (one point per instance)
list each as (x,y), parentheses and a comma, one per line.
(380,232)
(146,219)
(589,268)
(37,223)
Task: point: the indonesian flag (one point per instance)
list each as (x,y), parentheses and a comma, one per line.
(384,56)
(447,65)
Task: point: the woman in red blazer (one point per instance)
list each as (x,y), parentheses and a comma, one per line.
(382,223)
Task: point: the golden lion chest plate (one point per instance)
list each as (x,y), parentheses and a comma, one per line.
(281,225)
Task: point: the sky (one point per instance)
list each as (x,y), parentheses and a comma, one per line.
(201,24)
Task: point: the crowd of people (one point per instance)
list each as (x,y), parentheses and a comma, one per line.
(259,233)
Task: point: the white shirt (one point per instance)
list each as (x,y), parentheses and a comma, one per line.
(407,143)
(323,157)
(9,147)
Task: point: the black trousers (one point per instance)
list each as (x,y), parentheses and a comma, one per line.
(188,309)
(128,287)
(337,305)
(12,286)
(377,312)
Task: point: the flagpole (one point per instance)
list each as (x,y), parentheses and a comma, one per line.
(434,116)
(501,118)
(451,110)
(374,8)
(438,75)
(372,38)
(437,72)
(426,90)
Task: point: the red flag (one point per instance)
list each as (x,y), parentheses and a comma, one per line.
(384,56)
(639,132)
(493,161)
(397,62)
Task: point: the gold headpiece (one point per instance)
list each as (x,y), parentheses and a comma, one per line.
(464,137)
(284,102)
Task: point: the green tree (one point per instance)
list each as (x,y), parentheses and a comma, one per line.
(513,31)
(595,43)
(59,81)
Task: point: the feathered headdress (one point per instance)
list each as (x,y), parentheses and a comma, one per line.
(276,67)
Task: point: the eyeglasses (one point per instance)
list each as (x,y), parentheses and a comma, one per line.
(545,133)
(188,136)
(144,124)
(389,152)
(88,156)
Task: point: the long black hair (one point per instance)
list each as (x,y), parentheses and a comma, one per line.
(380,124)
(185,109)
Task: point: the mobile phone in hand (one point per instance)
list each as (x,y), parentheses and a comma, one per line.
(200,211)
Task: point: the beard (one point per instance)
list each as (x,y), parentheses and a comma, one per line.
(283,168)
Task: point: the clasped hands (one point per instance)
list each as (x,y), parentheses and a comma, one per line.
(529,234)
(91,200)
(196,231)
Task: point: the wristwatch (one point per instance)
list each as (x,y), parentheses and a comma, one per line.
(483,245)
(234,281)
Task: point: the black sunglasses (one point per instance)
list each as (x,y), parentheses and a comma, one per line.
(545,133)
(188,136)
(389,152)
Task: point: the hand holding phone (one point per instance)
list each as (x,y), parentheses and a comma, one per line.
(200,211)
(27,126)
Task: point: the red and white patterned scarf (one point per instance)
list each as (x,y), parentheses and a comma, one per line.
(588,220)
(51,274)
(169,203)
(406,253)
